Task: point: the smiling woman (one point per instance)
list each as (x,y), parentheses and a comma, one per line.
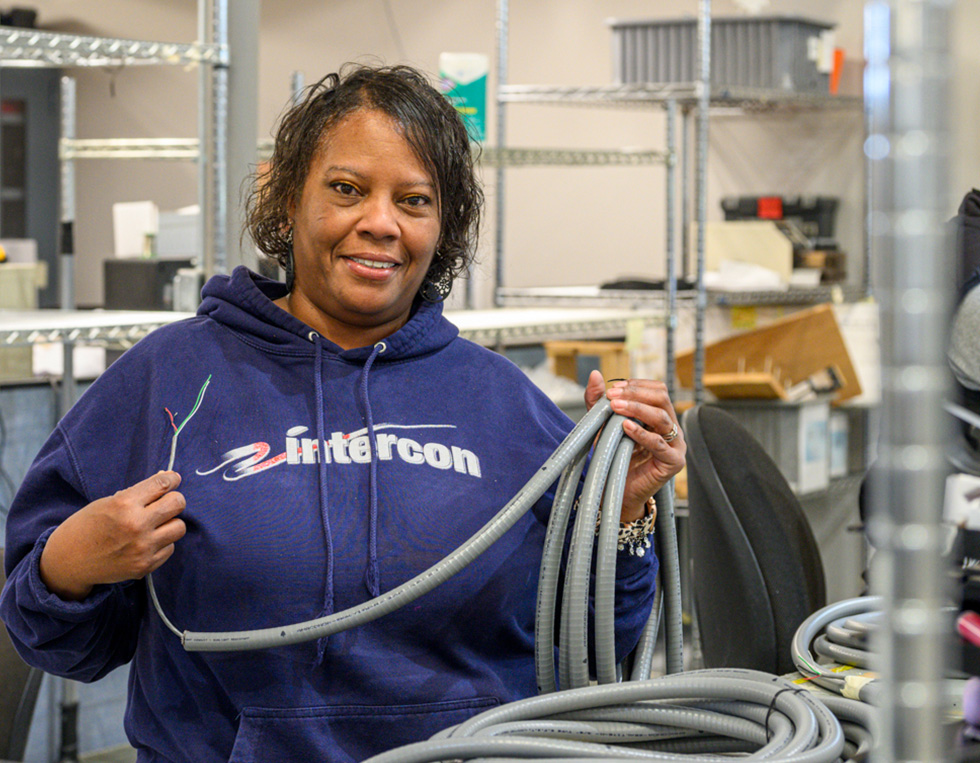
(370,199)
(346,439)
(365,230)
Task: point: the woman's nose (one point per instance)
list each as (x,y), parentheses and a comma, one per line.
(379,218)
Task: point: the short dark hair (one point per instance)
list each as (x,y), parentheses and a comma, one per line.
(432,127)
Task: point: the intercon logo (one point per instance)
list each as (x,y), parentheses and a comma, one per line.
(350,448)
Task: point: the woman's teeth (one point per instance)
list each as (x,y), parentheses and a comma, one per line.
(373,263)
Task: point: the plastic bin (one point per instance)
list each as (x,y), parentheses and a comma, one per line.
(794,434)
(815,215)
(766,52)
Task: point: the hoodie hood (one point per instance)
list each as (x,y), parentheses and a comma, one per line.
(243,301)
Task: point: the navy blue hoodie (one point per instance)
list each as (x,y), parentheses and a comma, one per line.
(277,534)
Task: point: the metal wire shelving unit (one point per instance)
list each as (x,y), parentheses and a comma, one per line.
(494,328)
(695,100)
(33,48)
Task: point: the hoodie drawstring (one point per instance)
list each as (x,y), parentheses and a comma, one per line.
(322,485)
(372,577)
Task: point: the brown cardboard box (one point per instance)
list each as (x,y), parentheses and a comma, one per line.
(791,349)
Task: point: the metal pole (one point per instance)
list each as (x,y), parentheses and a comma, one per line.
(67,255)
(240,117)
(906,85)
(503,21)
(703,88)
(669,226)
(219,119)
(205,239)
(68,752)
(869,191)
(685,192)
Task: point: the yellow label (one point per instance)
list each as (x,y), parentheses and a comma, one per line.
(634,333)
(744,317)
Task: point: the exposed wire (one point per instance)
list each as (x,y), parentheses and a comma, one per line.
(170,465)
(177,429)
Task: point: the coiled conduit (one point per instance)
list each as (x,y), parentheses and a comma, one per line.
(692,716)
(604,484)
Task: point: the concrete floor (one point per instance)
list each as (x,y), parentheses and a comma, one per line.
(124,754)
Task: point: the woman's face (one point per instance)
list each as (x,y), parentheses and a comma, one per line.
(365,229)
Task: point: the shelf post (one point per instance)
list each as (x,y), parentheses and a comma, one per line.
(67,246)
(503,21)
(907,80)
(703,87)
(671,275)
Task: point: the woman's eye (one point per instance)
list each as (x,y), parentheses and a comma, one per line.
(417,201)
(344,189)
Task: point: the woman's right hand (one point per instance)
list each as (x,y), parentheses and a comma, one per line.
(121,537)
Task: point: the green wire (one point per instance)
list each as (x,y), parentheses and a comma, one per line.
(197,404)
(173,453)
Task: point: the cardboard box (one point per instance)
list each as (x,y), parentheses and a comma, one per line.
(19,282)
(792,349)
(838,434)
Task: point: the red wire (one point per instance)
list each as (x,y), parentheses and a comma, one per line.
(171,418)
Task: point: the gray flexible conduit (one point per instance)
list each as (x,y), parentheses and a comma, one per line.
(610,461)
(605,567)
(841,654)
(668,597)
(670,568)
(825,675)
(643,654)
(544,620)
(691,716)
(573,653)
(696,716)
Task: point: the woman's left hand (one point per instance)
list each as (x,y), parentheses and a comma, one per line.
(655,459)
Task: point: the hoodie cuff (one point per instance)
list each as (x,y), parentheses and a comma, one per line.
(629,565)
(49,602)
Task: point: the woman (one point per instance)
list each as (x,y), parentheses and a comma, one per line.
(337,437)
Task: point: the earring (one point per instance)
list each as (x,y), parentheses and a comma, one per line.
(436,289)
(290,270)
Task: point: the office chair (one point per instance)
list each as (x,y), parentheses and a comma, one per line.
(19,686)
(756,571)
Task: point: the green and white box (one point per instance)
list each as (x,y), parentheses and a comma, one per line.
(463,80)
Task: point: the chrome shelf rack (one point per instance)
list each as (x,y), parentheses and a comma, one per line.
(29,47)
(494,328)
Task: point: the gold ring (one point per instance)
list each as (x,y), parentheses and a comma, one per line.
(672,434)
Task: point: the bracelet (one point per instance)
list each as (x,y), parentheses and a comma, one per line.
(635,536)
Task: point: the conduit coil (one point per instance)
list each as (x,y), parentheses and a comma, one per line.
(604,482)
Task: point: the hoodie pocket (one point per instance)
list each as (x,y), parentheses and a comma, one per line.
(343,733)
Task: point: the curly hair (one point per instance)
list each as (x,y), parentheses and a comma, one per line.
(434,131)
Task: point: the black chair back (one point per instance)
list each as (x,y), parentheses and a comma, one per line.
(756,570)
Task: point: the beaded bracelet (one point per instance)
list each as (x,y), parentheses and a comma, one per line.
(634,536)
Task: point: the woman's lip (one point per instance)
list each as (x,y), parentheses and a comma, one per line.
(358,265)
